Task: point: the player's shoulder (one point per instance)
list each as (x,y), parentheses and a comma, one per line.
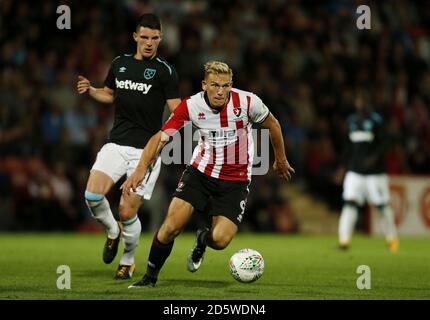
(243,93)
(196,99)
(246,97)
(122,57)
(164,65)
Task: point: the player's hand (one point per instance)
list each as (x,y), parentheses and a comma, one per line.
(133,181)
(283,169)
(83,84)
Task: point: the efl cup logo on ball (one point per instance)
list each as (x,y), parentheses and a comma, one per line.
(246,265)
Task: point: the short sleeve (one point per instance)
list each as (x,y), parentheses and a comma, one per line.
(110,79)
(171,84)
(177,119)
(258,112)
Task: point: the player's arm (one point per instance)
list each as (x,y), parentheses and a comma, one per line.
(149,154)
(103,95)
(155,145)
(171,89)
(173,103)
(281,165)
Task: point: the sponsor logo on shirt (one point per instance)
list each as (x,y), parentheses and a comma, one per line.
(131,85)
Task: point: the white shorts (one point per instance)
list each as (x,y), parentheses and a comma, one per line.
(115,161)
(372,188)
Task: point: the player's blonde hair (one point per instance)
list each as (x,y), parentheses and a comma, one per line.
(217,67)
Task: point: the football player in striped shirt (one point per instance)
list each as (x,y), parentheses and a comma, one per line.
(217,179)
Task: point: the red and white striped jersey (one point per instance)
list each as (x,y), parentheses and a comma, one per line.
(226,148)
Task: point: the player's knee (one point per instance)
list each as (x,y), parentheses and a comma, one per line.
(169,231)
(127,212)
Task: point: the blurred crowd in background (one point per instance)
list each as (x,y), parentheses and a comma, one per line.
(303,58)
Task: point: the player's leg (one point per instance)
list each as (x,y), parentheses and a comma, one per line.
(107,169)
(98,186)
(128,209)
(347,221)
(131,229)
(218,237)
(379,195)
(222,232)
(230,199)
(353,196)
(178,215)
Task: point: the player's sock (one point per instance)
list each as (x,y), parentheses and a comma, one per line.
(347,222)
(130,234)
(204,238)
(100,210)
(157,256)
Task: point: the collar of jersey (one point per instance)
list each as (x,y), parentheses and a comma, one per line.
(215,110)
(144,59)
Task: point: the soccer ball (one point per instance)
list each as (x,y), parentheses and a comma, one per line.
(246,265)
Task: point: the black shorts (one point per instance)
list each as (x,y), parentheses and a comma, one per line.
(213,196)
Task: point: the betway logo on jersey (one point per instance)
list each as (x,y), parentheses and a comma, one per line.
(131,85)
(361,136)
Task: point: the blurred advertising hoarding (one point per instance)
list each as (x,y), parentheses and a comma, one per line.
(410,201)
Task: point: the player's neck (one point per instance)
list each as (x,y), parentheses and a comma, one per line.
(138,56)
(205,95)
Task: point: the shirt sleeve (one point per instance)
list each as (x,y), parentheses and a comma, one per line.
(177,119)
(171,85)
(110,79)
(258,111)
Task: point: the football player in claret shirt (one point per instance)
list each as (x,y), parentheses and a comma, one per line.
(139,85)
(220,168)
(365,179)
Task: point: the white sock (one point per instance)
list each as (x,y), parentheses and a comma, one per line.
(388,223)
(130,235)
(102,213)
(347,222)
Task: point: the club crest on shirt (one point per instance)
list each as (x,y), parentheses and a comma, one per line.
(237,111)
(149,73)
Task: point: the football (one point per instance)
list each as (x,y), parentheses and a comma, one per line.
(246,265)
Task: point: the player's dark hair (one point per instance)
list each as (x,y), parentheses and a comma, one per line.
(148,20)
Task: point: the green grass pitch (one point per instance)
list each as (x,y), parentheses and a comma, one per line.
(297,267)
